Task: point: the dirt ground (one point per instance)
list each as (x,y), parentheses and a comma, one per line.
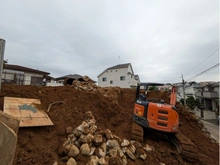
(113,109)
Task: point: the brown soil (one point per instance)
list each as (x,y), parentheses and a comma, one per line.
(113,109)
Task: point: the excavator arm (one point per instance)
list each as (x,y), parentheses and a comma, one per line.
(173,95)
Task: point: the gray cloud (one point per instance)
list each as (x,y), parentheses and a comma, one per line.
(162,39)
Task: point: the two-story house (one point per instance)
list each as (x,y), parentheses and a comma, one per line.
(121,75)
(208,95)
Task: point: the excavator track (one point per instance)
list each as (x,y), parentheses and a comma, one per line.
(184,147)
(137,132)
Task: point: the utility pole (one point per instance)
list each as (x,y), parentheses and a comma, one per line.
(184,94)
(2,50)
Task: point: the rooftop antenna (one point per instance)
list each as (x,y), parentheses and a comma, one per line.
(118,59)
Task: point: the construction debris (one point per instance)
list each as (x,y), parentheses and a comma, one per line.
(103,135)
(85,141)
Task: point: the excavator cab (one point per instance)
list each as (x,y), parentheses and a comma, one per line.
(155,115)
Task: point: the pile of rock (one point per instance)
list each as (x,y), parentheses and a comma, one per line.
(102,147)
(84,84)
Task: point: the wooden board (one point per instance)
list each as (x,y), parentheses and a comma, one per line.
(25,110)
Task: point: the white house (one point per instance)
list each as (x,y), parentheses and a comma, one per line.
(21,75)
(121,75)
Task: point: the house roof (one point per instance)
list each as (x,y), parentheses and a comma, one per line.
(209,84)
(74,76)
(119,66)
(24,69)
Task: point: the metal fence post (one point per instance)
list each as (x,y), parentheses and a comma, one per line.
(2,50)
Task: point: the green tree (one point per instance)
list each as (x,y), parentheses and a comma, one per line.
(191,102)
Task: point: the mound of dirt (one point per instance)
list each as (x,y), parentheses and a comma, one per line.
(112,108)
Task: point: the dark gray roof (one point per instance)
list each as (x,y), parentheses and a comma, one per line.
(74,76)
(24,69)
(120,66)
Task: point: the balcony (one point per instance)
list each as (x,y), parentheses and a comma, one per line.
(208,95)
(211,95)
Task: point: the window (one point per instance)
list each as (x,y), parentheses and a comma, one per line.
(111,82)
(122,78)
(104,79)
(116,70)
(106,71)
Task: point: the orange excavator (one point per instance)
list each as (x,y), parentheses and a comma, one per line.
(157,115)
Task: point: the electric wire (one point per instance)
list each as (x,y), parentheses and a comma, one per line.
(204,71)
(202,61)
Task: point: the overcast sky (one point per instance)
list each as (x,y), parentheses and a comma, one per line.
(161,39)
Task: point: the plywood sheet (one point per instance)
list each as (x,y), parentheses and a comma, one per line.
(26,110)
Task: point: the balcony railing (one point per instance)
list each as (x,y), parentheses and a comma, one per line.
(210,95)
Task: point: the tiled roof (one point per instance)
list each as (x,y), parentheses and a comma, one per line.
(120,66)
(116,67)
(23,69)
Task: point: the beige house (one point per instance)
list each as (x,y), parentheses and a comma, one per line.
(121,75)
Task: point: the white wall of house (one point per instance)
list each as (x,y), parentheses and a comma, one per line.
(27,77)
(117,77)
(24,77)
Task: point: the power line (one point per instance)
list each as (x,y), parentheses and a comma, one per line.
(204,71)
(203,61)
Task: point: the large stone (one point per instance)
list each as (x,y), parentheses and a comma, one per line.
(102,161)
(93,160)
(120,152)
(85,149)
(125,143)
(92,128)
(97,140)
(73,151)
(81,126)
(71,161)
(129,153)
(112,143)
(148,148)
(113,152)
(108,134)
(86,138)
(102,150)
